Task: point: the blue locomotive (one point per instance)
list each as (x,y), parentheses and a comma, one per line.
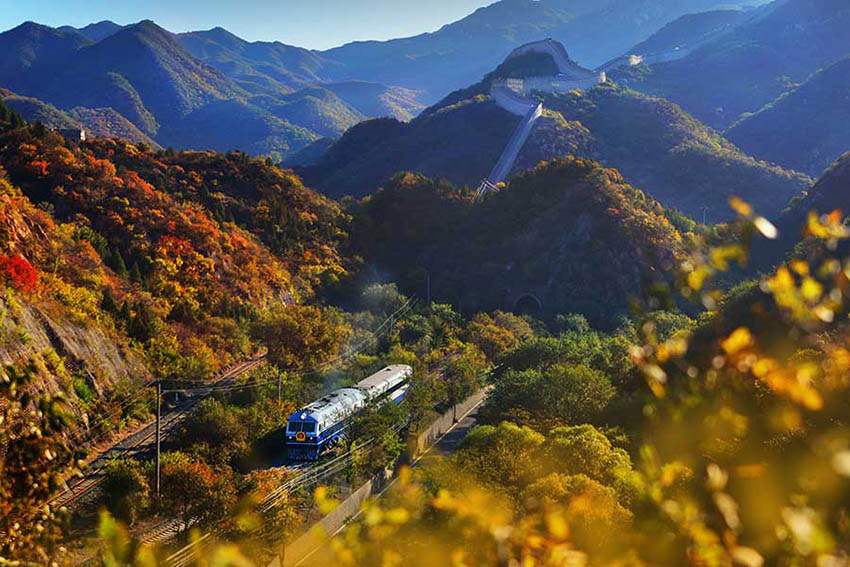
(319,426)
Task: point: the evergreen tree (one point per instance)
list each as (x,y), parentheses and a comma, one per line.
(39,129)
(118,264)
(143,324)
(107,302)
(125,314)
(136,274)
(17,120)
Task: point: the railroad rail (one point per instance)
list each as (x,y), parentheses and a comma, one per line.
(138,442)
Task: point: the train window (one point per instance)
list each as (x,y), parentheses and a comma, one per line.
(294,427)
(309,427)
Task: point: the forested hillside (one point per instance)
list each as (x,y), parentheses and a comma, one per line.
(596,241)
(802,129)
(460,52)
(653,143)
(97,122)
(751,65)
(197,91)
(163,273)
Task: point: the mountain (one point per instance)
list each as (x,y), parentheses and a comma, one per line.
(828,194)
(689,31)
(29,44)
(460,143)
(659,147)
(316,109)
(276,69)
(805,128)
(139,70)
(567,237)
(144,75)
(96,31)
(264,98)
(751,65)
(258,67)
(97,122)
(654,144)
(375,99)
(458,53)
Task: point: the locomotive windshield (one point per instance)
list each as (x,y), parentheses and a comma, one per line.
(309,427)
(294,426)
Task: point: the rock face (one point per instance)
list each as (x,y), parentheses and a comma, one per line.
(46,335)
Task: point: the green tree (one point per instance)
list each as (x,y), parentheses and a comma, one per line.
(505,457)
(135,274)
(463,373)
(125,315)
(126,490)
(118,264)
(596,516)
(215,433)
(382,299)
(16,121)
(584,450)
(107,301)
(144,324)
(560,395)
(495,334)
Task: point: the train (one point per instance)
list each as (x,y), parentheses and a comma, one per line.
(319,426)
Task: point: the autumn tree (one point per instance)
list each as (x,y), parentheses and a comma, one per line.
(595,515)
(301,335)
(215,432)
(18,272)
(194,490)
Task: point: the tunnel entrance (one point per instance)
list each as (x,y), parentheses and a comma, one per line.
(527,304)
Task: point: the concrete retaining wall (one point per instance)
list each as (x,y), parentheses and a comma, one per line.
(428,437)
(299,549)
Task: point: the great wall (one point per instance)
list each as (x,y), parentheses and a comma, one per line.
(512,94)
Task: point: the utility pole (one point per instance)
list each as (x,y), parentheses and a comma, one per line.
(158,415)
(279,380)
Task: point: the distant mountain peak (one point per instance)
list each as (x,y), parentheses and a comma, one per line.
(99,30)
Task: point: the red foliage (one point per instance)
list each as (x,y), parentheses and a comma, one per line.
(38,167)
(18,272)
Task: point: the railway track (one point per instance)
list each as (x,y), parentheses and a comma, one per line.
(138,443)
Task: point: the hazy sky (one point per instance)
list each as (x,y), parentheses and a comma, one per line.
(315,24)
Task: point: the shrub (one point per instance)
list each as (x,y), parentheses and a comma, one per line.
(18,272)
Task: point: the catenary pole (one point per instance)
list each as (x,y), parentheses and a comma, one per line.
(158,416)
